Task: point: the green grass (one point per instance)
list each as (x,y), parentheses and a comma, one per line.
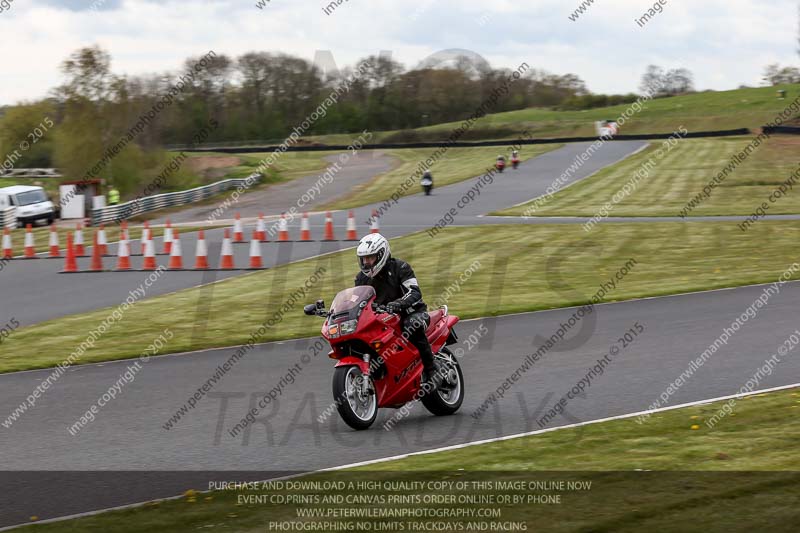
(741,108)
(457,164)
(740,476)
(512,277)
(678,176)
(289,165)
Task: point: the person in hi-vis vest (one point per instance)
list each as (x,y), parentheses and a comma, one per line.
(113,196)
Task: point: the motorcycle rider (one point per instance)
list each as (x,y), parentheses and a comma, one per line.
(427,182)
(397,289)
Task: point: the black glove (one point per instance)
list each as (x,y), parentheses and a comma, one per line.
(395,307)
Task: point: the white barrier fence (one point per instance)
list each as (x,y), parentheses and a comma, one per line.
(8,218)
(115,213)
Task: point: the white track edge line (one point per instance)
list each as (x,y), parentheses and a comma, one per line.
(427,452)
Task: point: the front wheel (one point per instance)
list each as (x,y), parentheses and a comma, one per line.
(354,394)
(448,398)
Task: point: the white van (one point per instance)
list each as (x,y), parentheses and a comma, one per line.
(31,202)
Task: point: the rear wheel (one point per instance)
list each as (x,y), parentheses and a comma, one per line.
(354,394)
(448,398)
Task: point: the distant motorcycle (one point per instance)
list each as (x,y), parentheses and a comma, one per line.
(427,185)
(500,165)
(515,160)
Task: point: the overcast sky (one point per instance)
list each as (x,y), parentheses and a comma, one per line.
(724,42)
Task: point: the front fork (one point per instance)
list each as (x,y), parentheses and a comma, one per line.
(366,380)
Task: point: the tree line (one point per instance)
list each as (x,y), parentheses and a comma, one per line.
(262,96)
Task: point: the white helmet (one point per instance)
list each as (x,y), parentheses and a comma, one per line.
(373,244)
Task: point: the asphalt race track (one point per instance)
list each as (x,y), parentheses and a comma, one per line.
(128,433)
(127,455)
(60,295)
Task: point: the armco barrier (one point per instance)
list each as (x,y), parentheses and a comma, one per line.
(476,144)
(8,218)
(115,213)
(790,130)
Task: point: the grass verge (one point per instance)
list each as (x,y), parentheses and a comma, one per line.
(664,188)
(477,271)
(659,476)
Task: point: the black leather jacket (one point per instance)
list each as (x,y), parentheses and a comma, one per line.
(395,282)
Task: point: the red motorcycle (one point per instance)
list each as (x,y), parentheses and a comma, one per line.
(500,165)
(515,162)
(376,366)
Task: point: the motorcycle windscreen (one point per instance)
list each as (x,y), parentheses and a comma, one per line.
(351,299)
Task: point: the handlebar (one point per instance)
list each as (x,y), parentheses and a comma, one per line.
(381,309)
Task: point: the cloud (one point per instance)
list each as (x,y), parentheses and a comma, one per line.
(724,42)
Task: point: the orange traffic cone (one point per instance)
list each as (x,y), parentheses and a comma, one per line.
(375,227)
(145,235)
(238,232)
(70,265)
(123,253)
(226,261)
(351,227)
(101,240)
(329,227)
(201,254)
(175,257)
(8,253)
(54,248)
(168,238)
(305,230)
(261,229)
(149,253)
(97,262)
(79,251)
(283,229)
(30,247)
(255,253)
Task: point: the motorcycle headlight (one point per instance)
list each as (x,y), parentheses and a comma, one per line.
(348,327)
(333,331)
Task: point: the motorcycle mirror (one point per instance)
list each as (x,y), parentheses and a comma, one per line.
(310,309)
(320,304)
